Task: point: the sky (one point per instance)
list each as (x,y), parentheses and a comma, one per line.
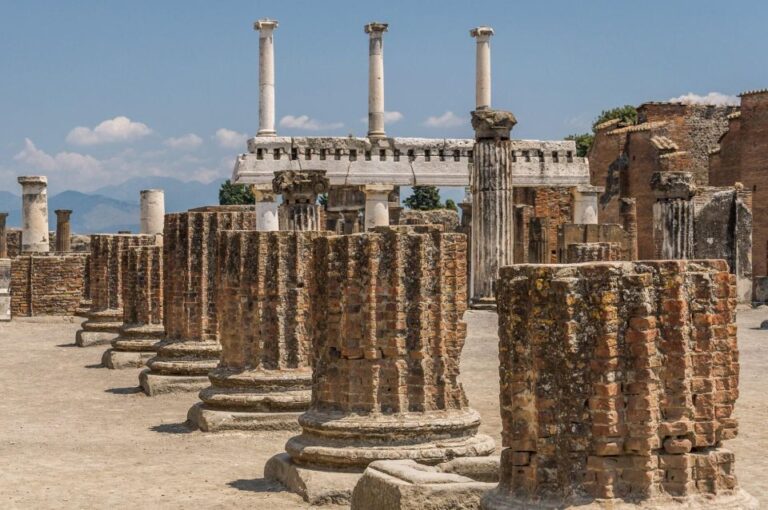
(93,92)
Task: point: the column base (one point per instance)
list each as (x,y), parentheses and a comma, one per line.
(134,347)
(209,419)
(85,338)
(738,500)
(483,304)
(159,384)
(317,486)
(406,485)
(83,309)
(117,360)
(101,328)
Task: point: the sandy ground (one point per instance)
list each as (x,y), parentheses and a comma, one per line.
(73,435)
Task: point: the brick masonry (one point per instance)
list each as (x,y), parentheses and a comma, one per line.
(47,284)
(142,276)
(593,252)
(618,381)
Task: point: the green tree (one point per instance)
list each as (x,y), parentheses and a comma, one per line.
(424,198)
(583,143)
(450,204)
(235,194)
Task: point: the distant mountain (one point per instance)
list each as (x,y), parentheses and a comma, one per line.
(92,213)
(179,195)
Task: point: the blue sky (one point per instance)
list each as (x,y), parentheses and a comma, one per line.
(173,85)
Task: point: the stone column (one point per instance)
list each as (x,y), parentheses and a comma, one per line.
(266,29)
(628,213)
(3,236)
(300,189)
(152,202)
(376,205)
(63,234)
(482,67)
(493,214)
(142,329)
(34,213)
(649,436)
(105,316)
(673,214)
(263,381)
(266,208)
(376,79)
(585,205)
(191,347)
(386,315)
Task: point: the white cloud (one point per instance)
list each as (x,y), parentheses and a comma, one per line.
(230,139)
(389,117)
(446,120)
(185,142)
(119,129)
(307,124)
(71,161)
(715,98)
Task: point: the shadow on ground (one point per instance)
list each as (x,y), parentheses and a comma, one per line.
(73,344)
(128,390)
(257,485)
(172,428)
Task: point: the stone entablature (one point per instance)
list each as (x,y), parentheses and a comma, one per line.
(618,384)
(405,161)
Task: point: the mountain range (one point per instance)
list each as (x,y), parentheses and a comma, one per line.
(112,208)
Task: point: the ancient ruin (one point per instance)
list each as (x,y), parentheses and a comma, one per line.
(618,386)
(191,348)
(386,310)
(105,317)
(142,328)
(34,214)
(263,380)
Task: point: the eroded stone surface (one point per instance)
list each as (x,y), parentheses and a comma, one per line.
(618,385)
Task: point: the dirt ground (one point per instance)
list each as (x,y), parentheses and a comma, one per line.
(74,435)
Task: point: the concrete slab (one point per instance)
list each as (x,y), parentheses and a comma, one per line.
(216,420)
(158,384)
(316,485)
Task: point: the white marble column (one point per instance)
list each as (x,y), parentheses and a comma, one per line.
(376,79)
(152,203)
(585,205)
(266,28)
(377,205)
(482,66)
(266,208)
(34,213)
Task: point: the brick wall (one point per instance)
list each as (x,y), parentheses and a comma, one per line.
(551,207)
(592,252)
(447,218)
(142,276)
(46,284)
(106,268)
(646,388)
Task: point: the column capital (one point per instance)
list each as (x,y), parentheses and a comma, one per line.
(375,29)
(3,215)
(492,124)
(482,34)
(32,179)
(63,212)
(265,25)
(671,185)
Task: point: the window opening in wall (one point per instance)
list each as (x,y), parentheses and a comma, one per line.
(337,154)
(457,155)
(322,154)
(555,157)
(353,154)
(397,155)
(427,155)
(294,153)
(411,155)
(276,154)
(259,153)
(382,154)
(307,154)
(367,155)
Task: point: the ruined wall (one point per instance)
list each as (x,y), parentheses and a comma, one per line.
(551,208)
(448,218)
(570,234)
(189,256)
(650,385)
(46,284)
(725,163)
(592,252)
(79,242)
(606,161)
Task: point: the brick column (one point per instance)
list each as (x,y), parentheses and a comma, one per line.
(493,215)
(106,284)
(191,348)
(300,189)
(633,411)
(628,212)
(673,214)
(3,236)
(142,328)
(387,335)
(63,233)
(263,380)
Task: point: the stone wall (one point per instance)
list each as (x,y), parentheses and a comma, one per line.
(592,252)
(47,284)
(646,386)
(550,208)
(79,242)
(569,234)
(448,218)
(106,268)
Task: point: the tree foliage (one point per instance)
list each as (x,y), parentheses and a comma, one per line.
(424,198)
(450,204)
(583,143)
(235,194)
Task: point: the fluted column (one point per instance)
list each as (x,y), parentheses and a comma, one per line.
(300,189)
(376,79)
(63,231)
(482,67)
(673,214)
(266,29)
(376,205)
(492,205)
